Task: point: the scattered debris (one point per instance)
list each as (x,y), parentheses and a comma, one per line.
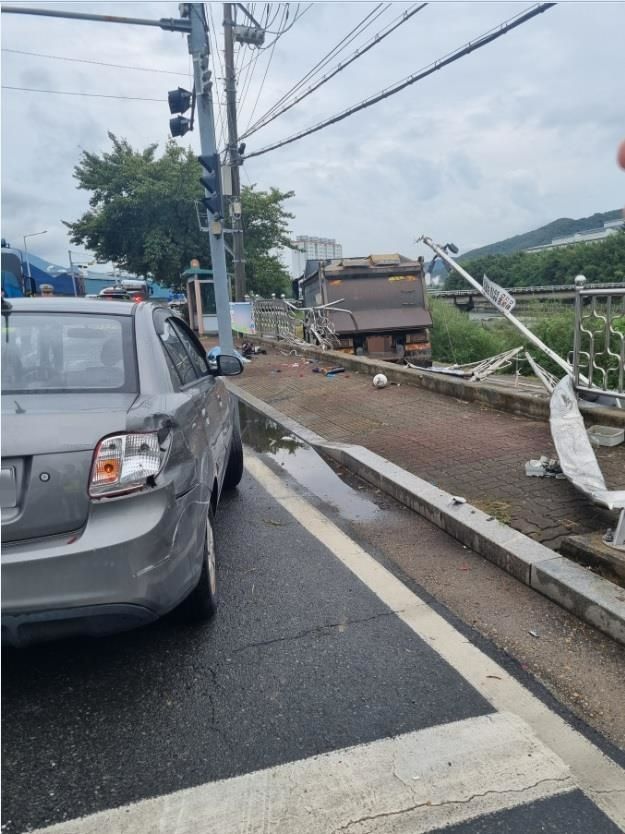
(248,349)
(606,435)
(458,499)
(213,353)
(579,461)
(380,381)
(273,523)
(544,467)
(534,633)
(475,371)
(547,379)
(494,677)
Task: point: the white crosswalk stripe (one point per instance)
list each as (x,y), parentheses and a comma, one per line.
(412,783)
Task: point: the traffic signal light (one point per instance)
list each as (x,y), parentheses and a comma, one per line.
(212,183)
(179,126)
(179,102)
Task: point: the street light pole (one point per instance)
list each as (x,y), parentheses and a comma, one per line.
(33,234)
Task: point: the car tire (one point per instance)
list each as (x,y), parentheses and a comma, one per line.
(201,603)
(234,468)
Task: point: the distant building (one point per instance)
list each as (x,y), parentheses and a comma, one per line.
(313,249)
(610,227)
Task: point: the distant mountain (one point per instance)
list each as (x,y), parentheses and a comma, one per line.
(545,234)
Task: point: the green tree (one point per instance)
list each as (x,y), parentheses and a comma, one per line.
(601,261)
(142,216)
(265,231)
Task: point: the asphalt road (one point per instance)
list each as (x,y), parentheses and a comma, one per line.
(325,693)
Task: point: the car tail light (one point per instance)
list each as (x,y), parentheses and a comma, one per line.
(124,462)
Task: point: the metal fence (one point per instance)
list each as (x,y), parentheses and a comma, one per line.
(273,318)
(599,340)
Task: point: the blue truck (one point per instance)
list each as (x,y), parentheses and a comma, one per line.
(20,278)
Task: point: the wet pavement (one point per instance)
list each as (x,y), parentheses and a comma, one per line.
(584,668)
(303,660)
(305,465)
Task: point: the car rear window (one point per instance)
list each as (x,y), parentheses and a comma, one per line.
(67,352)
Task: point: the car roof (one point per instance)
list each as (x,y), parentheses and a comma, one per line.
(60,304)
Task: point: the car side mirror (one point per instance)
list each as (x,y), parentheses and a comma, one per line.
(225,365)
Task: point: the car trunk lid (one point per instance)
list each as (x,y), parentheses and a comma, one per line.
(48,442)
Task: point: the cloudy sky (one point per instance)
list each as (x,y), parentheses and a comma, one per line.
(513,136)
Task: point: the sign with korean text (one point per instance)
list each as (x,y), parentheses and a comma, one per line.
(500,298)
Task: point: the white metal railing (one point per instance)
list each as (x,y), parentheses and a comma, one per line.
(599,339)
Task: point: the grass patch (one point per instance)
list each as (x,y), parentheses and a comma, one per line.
(501,510)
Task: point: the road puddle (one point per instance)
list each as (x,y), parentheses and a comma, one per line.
(301,461)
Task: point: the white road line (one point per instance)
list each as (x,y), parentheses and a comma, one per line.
(411,783)
(597,775)
(401,785)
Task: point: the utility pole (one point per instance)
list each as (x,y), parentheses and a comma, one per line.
(199,50)
(233,156)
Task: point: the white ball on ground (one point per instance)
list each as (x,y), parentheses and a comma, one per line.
(380,381)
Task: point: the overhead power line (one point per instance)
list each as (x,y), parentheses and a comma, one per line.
(246,89)
(296,17)
(87,61)
(360,27)
(75,93)
(358,54)
(472,46)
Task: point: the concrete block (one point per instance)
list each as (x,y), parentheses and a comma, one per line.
(590,549)
(588,596)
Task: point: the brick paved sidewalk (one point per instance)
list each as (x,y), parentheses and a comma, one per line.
(465,448)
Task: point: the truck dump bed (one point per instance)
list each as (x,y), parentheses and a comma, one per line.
(386,296)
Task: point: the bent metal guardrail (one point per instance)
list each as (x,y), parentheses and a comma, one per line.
(272,318)
(599,339)
(533,290)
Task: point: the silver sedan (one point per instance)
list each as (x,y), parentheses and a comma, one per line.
(118,439)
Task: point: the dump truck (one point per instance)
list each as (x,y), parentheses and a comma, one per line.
(377,306)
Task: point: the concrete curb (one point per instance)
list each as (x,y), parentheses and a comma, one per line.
(590,597)
(501,399)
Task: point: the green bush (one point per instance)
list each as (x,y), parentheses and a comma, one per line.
(455,338)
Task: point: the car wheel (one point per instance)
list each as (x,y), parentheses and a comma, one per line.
(201,603)
(234,468)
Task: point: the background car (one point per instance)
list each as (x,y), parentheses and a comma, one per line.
(117,442)
(115,294)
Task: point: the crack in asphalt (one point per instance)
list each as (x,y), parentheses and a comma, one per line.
(316,630)
(429,804)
